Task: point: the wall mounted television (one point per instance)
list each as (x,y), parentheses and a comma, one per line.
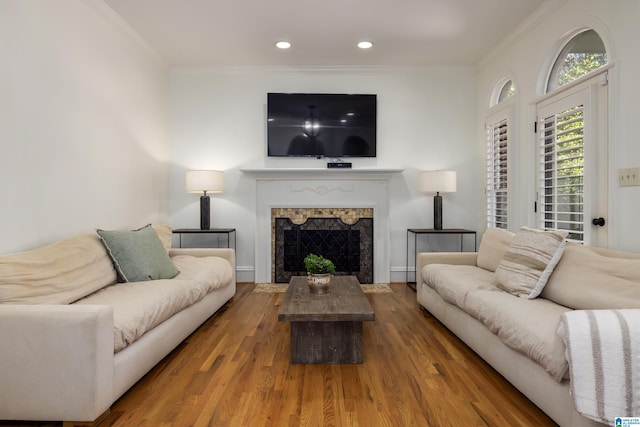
(321,125)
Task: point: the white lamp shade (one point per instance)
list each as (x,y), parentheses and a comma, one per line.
(205,181)
(437,181)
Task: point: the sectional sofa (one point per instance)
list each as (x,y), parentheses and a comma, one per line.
(76,335)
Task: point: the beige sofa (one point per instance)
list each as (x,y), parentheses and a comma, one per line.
(74,340)
(519,337)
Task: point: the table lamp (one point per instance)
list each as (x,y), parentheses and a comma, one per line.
(437,182)
(205,181)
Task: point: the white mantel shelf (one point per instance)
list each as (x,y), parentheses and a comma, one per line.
(319,173)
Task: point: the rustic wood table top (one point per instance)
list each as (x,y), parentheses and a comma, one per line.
(344,302)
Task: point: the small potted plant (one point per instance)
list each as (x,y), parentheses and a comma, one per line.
(319,271)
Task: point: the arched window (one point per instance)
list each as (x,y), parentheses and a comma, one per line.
(572,135)
(498,135)
(507,91)
(584,53)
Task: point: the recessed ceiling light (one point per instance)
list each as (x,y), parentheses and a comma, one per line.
(365,45)
(283,45)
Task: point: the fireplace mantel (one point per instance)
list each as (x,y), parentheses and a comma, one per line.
(320,173)
(322,188)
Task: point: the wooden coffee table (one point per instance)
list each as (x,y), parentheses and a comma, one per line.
(326,328)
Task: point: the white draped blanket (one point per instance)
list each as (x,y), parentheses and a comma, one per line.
(603,351)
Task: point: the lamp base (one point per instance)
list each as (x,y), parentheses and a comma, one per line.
(205,213)
(437,212)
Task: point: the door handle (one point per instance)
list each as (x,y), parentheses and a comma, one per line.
(598,221)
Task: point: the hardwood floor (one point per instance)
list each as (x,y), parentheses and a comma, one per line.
(234,371)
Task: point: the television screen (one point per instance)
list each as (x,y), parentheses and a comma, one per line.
(321,125)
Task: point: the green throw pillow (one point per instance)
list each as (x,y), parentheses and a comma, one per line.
(138,255)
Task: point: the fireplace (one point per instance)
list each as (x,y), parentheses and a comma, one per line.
(321,188)
(344,235)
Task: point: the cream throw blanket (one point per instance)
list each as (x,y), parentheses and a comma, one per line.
(603,351)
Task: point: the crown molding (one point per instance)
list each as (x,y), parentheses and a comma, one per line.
(532,21)
(306,69)
(111,17)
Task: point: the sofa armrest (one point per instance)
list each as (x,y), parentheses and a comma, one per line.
(459,258)
(227,253)
(57,362)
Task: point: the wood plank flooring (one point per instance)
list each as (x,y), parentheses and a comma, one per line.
(234,371)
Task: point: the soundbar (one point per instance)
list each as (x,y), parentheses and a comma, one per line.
(339,165)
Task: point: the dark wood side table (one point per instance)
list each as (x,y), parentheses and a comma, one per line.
(196,238)
(412,237)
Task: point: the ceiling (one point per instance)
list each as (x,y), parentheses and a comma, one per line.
(323,32)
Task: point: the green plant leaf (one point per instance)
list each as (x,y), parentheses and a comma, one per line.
(316,264)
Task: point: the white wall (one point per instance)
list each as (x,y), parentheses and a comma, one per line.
(83,114)
(82,124)
(426,120)
(526,58)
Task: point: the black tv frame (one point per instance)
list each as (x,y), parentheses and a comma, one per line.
(321,125)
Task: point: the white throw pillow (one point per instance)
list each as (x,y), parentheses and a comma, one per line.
(529,261)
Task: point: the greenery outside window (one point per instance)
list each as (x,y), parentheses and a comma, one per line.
(582,54)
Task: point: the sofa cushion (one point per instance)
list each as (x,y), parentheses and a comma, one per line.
(59,273)
(210,272)
(588,278)
(454,282)
(138,307)
(165,234)
(493,245)
(528,326)
(529,261)
(138,255)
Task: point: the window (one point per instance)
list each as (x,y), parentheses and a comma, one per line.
(497,167)
(582,54)
(572,136)
(497,159)
(497,163)
(507,91)
(562,171)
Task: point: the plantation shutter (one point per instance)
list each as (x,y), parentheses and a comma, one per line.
(561,156)
(497,172)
